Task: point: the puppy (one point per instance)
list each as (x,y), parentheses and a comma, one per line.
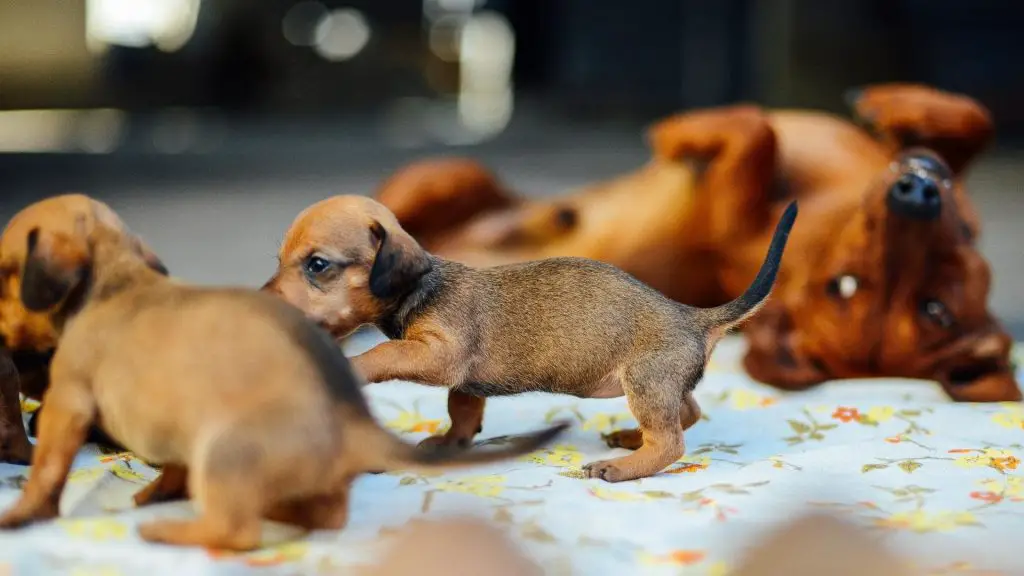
(239,397)
(27,340)
(563,325)
(885,276)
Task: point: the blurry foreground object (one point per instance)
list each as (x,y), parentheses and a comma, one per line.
(882,278)
(810,545)
(456,547)
(816,545)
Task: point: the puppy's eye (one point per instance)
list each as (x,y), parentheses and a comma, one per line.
(315,265)
(843,287)
(937,313)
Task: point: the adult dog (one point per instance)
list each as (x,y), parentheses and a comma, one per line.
(883,276)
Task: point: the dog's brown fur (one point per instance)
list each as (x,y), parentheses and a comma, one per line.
(27,340)
(707,201)
(563,325)
(234,391)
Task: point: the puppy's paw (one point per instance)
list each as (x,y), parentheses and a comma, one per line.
(628,439)
(606,470)
(445,441)
(22,515)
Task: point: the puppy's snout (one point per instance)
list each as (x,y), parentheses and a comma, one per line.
(915,196)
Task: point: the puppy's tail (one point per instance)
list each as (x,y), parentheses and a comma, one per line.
(735,312)
(382,451)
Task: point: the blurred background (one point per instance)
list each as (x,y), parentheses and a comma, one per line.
(208,124)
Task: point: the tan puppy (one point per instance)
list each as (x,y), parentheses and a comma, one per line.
(230,389)
(563,325)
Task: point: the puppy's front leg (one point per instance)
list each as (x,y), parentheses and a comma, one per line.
(424,362)
(62,429)
(467,414)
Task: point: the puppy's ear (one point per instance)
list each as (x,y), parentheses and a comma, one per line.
(54,266)
(151,258)
(399,262)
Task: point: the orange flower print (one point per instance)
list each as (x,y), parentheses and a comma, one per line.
(1005,463)
(846,414)
(674,558)
(989,497)
(428,426)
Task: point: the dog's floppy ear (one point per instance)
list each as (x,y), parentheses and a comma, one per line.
(398,264)
(54,266)
(150,257)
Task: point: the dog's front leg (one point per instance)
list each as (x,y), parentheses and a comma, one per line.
(738,145)
(62,429)
(14,444)
(424,362)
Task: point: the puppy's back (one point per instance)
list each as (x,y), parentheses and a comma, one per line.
(541,322)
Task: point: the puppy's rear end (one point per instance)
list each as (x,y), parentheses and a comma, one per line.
(720,319)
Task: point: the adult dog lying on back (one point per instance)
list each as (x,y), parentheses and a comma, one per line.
(883,278)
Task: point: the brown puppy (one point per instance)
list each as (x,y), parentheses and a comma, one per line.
(27,340)
(234,391)
(884,278)
(563,325)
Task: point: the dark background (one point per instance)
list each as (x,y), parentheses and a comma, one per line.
(210,127)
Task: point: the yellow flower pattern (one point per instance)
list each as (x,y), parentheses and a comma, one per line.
(483,486)
(95,529)
(922,521)
(897,458)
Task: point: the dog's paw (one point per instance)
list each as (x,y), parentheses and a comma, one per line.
(21,515)
(606,470)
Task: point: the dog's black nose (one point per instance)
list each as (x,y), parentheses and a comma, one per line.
(917,197)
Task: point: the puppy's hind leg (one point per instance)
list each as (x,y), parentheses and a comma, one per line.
(322,512)
(652,390)
(171,484)
(633,438)
(228,482)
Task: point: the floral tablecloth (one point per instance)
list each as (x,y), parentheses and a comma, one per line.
(938,481)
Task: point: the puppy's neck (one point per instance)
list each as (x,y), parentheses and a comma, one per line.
(402,312)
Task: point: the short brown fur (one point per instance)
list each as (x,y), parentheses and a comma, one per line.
(708,199)
(563,325)
(247,405)
(27,339)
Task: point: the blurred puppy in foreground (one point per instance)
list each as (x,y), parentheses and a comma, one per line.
(809,546)
(248,406)
(563,325)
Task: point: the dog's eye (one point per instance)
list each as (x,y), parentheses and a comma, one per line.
(843,286)
(315,265)
(937,312)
